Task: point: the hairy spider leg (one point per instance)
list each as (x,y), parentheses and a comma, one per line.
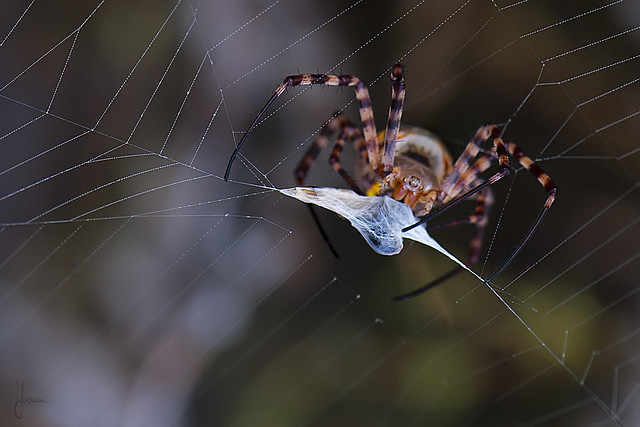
(362,94)
(347,131)
(338,123)
(484,200)
(429,285)
(469,179)
(544,180)
(395,115)
(446,198)
(352,133)
(463,162)
(479,219)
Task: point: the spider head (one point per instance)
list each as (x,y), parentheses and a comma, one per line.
(419,193)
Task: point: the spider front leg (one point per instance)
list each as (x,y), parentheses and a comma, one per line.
(364,100)
(395,115)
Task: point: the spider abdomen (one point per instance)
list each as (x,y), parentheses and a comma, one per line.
(423,148)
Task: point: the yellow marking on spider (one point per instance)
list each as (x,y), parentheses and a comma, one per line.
(374,189)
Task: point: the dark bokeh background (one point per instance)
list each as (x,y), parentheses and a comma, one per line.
(139,288)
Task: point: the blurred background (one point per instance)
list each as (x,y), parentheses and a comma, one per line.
(137,287)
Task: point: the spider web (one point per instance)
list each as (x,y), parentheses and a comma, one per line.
(139,288)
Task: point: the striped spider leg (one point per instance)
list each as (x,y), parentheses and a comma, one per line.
(410,164)
(347,131)
(369,172)
(465,175)
(366,113)
(372,164)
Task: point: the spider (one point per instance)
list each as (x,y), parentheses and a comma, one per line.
(410,164)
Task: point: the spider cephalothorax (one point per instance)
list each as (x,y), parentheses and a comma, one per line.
(410,164)
(419,168)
